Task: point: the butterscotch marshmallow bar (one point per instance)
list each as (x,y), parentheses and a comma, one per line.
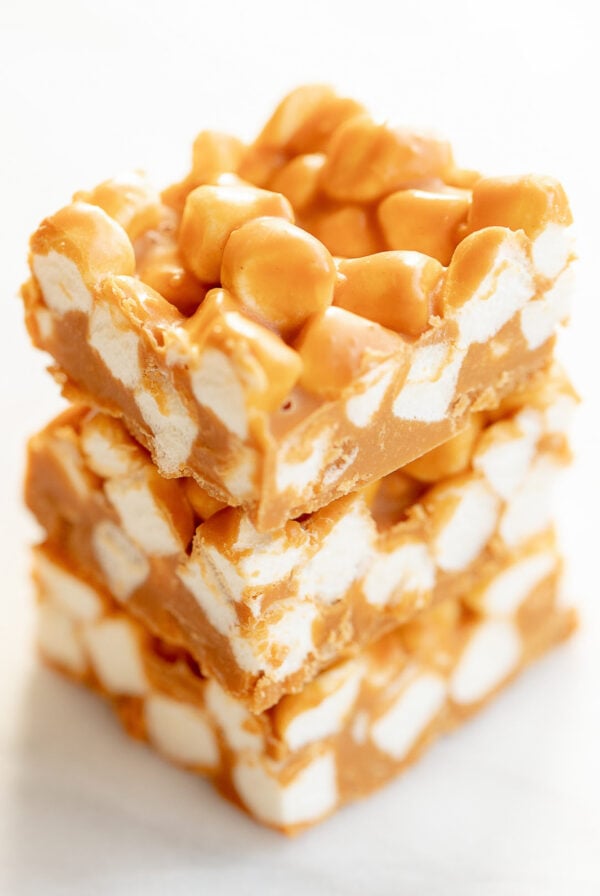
(354,727)
(301,316)
(263,613)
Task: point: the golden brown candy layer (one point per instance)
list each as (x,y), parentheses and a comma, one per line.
(264,613)
(352,729)
(301,316)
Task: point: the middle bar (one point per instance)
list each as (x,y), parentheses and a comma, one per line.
(263,613)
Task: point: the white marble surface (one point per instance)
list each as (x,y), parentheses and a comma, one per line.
(510,804)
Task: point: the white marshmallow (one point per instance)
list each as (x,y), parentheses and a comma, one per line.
(67,592)
(397,731)
(505,461)
(216,605)
(311,794)
(116,656)
(530,509)
(506,592)
(45,323)
(180,731)
(171,424)
(123,565)
(265,558)
(360,727)
(141,516)
(104,457)
(552,249)
(58,639)
(361,408)
(117,345)
(61,283)
(469,528)
(406,569)
(502,293)
(239,479)
(298,475)
(281,647)
(217,387)
(68,457)
(540,318)
(330,713)
(559,415)
(239,728)
(340,559)
(491,654)
(430,384)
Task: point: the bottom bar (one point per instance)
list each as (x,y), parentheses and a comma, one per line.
(354,727)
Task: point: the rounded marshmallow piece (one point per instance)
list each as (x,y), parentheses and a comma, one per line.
(180,731)
(395,289)
(491,654)
(212,212)
(311,794)
(366,160)
(278,272)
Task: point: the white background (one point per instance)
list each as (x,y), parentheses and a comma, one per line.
(508,805)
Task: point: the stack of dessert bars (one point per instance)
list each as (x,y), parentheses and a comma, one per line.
(297,514)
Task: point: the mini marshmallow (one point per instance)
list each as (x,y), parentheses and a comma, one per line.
(311,793)
(116,657)
(180,731)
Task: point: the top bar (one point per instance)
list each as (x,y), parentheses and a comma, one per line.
(300,317)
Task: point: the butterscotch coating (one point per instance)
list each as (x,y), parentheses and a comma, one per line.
(473,260)
(212,212)
(91,239)
(162,268)
(467,341)
(348,232)
(279,273)
(299,180)
(203,504)
(130,200)
(526,203)
(424,221)
(268,367)
(396,289)
(337,346)
(366,160)
(306,118)
(449,458)
(215,153)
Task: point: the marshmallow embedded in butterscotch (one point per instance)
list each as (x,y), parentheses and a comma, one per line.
(298,180)
(279,273)
(89,237)
(306,118)
(396,289)
(528,203)
(73,250)
(212,212)
(336,347)
(367,160)
(478,262)
(424,221)
(349,231)
(162,268)
(214,153)
(259,367)
(130,200)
